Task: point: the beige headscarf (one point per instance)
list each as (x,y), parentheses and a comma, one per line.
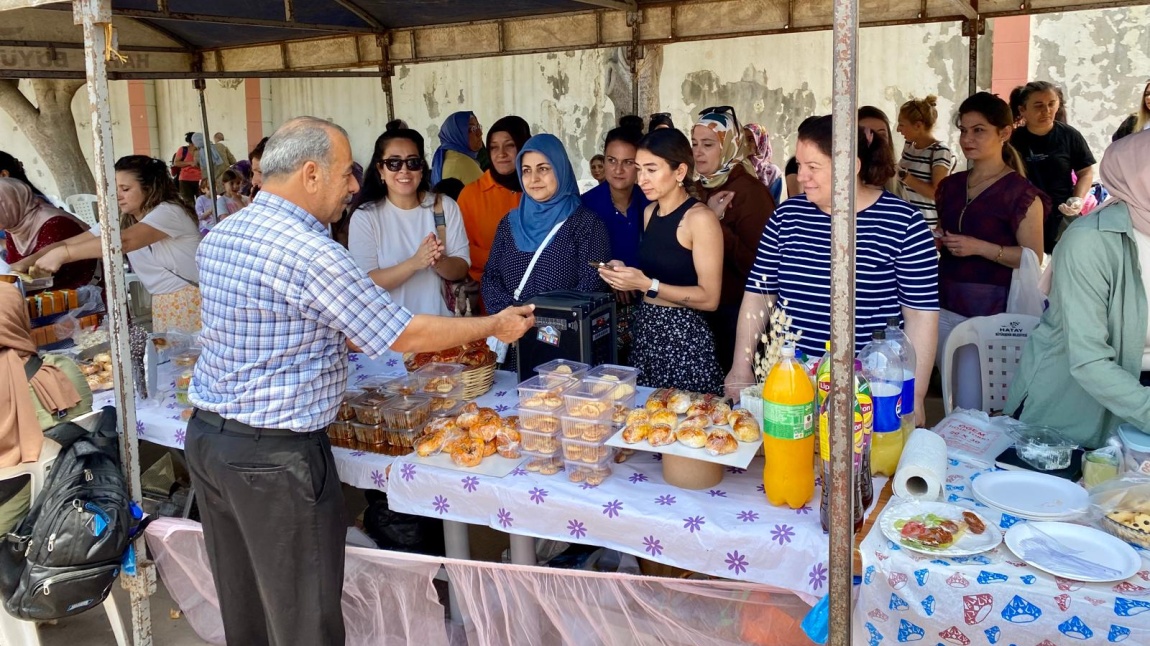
(22,214)
(1126,174)
(20,435)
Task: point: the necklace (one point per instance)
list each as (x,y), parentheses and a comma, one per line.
(976,192)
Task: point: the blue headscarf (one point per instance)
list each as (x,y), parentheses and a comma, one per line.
(455,134)
(532,221)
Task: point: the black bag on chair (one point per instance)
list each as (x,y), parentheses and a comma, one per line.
(65,555)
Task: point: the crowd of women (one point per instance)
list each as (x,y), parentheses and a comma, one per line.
(701,236)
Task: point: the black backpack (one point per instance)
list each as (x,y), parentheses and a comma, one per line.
(65,555)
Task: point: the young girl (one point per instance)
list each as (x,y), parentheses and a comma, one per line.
(926,161)
(233,199)
(204,207)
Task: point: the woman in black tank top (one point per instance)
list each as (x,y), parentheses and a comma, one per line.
(680,272)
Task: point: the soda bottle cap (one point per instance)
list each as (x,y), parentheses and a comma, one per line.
(879,335)
(828,346)
(788,351)
(892,321)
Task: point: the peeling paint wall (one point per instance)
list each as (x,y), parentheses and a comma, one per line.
(1102,61)
(1102,57)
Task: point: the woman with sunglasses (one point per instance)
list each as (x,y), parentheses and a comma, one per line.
(551,223)
(460,140)
(392,235)
(728,183)
(679,269)
(896,272)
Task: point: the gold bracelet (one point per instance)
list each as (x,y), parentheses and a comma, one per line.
(1000,250)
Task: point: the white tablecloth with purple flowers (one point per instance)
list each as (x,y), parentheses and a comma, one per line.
(991,598)
(729,531)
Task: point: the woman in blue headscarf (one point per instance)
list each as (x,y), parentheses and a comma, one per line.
(460,139)
(550,222)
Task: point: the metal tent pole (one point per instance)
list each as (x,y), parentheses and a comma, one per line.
(844,103)
(96,18)
(202,85)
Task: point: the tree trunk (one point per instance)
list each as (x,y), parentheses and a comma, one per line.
(50,127)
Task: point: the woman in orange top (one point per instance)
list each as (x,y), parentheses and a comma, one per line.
(484,202)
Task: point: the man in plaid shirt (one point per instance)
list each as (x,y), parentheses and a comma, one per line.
(281,304)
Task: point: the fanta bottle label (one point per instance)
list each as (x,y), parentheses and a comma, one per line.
(787,421)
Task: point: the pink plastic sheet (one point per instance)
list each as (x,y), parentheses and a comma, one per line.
(389,598)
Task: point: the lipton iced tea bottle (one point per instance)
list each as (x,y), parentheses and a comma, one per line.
(788,433)
(864,405)
(825,466)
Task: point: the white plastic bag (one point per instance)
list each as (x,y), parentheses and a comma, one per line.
(1025,297)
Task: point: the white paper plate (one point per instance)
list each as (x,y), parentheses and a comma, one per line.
(1031,495)
(967,544)
(740,458)
(495,466)
(1093,545)
(1073,515)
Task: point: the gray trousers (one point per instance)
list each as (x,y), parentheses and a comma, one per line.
(273,516)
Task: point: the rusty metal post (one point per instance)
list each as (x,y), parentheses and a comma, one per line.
(201,85)
(972,29)
(634,53)
(383,41)
(96,18)
(844,104)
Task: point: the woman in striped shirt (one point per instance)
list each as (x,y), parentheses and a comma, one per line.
(896,269)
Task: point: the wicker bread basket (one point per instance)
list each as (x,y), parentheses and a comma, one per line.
(478,380)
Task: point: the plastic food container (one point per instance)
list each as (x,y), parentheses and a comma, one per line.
(620,381)
(590,401)
(562,369)
(544,395)
(406,411)
(542,421)
(346,412)
(446,406)
(1042,447)
(1136,449)
(591,473)
(368,407)
(539,443)
(402,385)
(373,384)
(341,430)
(370,433)
(403,438)
(440,379)
(578,428)
(546,465)
(585,452)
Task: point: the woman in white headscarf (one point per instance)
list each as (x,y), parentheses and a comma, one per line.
(219,163)
(1086,367)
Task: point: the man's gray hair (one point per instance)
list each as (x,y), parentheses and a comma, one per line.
(297,142)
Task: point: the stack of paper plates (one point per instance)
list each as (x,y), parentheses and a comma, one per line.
(1031,495)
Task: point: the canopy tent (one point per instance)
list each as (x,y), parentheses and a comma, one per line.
(201,39)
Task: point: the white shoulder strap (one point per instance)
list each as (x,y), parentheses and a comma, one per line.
(535,259)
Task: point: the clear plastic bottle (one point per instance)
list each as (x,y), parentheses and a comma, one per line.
(864,408)
(905,350)
(883,369)
(863,490)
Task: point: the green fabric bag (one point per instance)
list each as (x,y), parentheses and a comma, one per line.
(66,365)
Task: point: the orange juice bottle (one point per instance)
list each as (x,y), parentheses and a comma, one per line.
(788,433)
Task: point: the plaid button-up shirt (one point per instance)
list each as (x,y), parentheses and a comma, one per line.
(280,299)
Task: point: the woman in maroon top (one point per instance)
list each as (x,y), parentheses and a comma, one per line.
(987,216)
(31,224)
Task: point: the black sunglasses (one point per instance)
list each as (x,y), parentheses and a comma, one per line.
(718,109)
(412,163)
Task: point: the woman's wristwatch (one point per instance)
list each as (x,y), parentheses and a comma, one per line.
(653,290)
(902,173)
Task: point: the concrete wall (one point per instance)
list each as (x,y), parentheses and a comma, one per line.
(1102,58)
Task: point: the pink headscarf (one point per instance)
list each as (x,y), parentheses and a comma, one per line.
(760,153)
(22,214)
(1124,174)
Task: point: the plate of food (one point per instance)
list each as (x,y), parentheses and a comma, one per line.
(938,528)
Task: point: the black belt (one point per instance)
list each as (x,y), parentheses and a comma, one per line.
(232,426)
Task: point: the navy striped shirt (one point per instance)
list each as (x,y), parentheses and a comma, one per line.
(895,265)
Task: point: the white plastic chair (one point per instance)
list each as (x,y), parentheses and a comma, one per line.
(999,340)
(17,632)
(83,206)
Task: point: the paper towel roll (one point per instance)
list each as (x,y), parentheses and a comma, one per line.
(922,469)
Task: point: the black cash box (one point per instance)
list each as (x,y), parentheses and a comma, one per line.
(579,326)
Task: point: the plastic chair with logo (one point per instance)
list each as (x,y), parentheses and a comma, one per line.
(999,340)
